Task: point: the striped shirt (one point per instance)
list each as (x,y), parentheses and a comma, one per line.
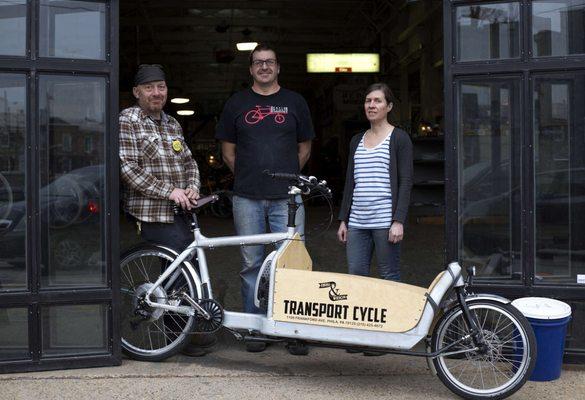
(371,206)
(154,159)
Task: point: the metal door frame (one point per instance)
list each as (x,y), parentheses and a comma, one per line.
(526,66)
(33,298)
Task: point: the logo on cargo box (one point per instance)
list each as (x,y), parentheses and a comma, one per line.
(333,293)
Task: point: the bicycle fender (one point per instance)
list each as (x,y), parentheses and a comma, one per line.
(189,266)
(469,299)
(487,296)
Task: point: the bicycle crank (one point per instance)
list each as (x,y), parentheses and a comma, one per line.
(215,320)
(209,314)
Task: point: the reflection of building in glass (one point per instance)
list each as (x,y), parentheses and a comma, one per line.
(488,32)
(12,133)
(558,30)
(74,146)
(12,143)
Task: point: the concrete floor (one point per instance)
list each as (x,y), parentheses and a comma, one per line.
(230,372)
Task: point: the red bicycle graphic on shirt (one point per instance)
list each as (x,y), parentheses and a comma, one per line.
(259,113)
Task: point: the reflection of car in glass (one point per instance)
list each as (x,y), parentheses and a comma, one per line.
(72,198)
(6,198)
(488,203)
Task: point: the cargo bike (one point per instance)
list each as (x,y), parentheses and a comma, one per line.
(479,345)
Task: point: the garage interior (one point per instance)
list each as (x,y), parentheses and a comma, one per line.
(512,177)
(195,41)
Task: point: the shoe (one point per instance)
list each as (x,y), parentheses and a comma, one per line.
(373,353)
(255,347)
(205,340)
(297,349)
(352,351)
(194,351)
(199,345)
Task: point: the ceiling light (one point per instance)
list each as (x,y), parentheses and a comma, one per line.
(179,100)
(246,46)
(185,112)
(343,62)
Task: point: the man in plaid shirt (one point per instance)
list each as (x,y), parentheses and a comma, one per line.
(156,165)
(157,169)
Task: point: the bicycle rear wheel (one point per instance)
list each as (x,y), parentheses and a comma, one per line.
(150,333)
(505,364)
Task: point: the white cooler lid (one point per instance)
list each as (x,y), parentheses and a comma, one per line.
(542,308)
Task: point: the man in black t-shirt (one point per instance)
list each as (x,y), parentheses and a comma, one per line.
(265,127)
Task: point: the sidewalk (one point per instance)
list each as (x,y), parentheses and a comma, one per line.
(231,373)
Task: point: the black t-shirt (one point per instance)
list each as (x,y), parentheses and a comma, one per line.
(266,131)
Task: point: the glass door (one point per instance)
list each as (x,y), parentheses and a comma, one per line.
(514,145)
(488,133)
(559,178)
(58,184)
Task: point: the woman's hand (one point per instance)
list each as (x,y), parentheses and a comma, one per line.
(342,232)
(396,232)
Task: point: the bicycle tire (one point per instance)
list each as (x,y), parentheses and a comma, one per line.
(139,268)
(515,354)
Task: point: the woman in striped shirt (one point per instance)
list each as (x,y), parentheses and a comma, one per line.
(377,190)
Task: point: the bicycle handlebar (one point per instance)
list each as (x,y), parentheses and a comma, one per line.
(302,181)
(282,175)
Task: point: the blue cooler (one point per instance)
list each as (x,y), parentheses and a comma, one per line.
(549,319)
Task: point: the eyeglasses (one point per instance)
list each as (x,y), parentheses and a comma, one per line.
(271,62)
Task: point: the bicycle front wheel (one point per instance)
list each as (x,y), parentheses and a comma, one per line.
(497,370)
(151,333)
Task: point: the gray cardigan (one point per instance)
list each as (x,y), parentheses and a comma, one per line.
(400,175)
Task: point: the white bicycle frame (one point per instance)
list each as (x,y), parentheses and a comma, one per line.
(266,325)
(198,246)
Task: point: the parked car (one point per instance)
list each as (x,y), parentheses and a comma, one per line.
(70,199)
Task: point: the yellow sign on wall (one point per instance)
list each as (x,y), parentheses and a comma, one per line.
(348,63)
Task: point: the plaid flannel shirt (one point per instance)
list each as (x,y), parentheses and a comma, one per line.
(150,167)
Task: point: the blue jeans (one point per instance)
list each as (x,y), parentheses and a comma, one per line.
(250,217)
(360,246)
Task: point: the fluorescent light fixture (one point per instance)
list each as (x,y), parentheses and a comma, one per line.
(185,112)
(346,62)
(246,46)
(179,100)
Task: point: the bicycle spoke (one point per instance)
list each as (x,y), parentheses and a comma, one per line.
(142,270)
(507,339)
(128,279)
(459,332)
(162,330)
(484,321)
(496,332)
(464,368)
(495,376)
